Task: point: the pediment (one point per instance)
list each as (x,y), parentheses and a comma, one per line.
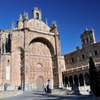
(38,25)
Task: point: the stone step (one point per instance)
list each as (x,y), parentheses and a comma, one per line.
(64,91)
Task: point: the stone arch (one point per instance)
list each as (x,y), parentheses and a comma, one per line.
(39,83)
(81,80)
(76,80)
(41,51)
(37,15)
(87,78)
(44,41)
(19,48)
(18,66)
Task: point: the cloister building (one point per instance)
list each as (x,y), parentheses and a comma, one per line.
(77,62)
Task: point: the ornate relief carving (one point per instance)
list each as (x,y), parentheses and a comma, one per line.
(39,48)
(39,67)
(40,60)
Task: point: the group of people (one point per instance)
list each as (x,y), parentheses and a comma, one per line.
(6,85)
(47,89)
(18,87)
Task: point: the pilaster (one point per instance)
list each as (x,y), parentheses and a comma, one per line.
(26,60)
(58,61)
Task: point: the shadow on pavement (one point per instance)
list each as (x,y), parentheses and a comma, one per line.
(47,96)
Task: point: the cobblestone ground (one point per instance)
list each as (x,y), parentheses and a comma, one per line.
(45,96)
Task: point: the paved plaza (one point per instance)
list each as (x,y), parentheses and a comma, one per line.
(45,96)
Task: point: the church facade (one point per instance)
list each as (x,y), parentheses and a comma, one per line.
(31,54)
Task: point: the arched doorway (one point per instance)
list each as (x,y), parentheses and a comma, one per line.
(39,83)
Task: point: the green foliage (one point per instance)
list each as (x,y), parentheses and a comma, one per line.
(94,81)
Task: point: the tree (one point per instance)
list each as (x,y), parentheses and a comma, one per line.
(94,81)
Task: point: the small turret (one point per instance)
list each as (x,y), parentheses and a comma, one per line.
(25,20)
(46,21)
(54,28)
(20,22)
(12,24)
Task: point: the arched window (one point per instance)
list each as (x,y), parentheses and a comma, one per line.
(87,40)
(96,52)
(72,59)
(37,15)
(83,56)
(91,39)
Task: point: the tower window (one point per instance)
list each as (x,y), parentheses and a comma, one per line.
(87,40)
(91,39)
(83,42)
(72,59)
(37,15)
(96,52)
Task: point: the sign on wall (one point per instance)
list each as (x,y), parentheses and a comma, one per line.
(8,73)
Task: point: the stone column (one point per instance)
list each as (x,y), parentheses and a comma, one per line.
(68,83)
(78,82)
(59,72)
(84,83)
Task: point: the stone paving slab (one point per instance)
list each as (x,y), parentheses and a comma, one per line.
(45,96)
(9,93)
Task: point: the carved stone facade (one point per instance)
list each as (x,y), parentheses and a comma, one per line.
(30,54)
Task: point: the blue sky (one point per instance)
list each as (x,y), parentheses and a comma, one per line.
(72,17)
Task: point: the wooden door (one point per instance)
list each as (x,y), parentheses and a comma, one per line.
(39,83)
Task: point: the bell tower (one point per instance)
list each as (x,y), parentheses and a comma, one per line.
(87,38)
(36,13)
